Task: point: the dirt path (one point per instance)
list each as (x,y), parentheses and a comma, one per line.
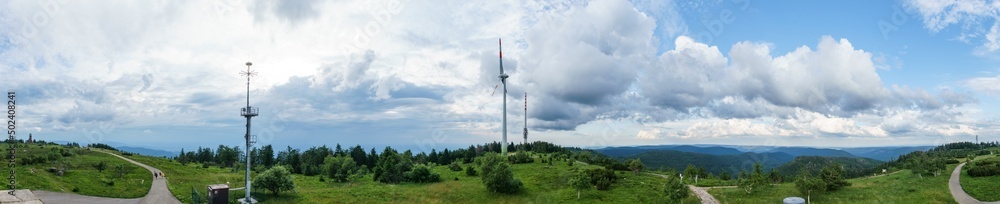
(956,188)
(701,192)
(158,192)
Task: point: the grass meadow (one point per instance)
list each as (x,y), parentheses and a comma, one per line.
(986,189)
(542,184)
(902,187)
(80,177)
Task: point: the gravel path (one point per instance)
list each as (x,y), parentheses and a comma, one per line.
(703,195)
(701,192)
(158,192)
(956,188)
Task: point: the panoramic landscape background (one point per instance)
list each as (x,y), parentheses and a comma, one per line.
(607,101)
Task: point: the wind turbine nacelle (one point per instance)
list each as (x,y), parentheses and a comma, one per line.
(504,76)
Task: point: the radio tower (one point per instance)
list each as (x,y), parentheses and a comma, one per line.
(248,112)
(525,117)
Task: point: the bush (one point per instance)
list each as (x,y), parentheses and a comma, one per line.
(470,171)
(521,158)
(603,184)
(602,178)
(109,182)
(984,170)
(276,179)
(676,191)
(951,161)
(101,166)
(987,162)
(454,166)
(76,189)
(339,168)
(391,167)
(497,175)
(422,174)
(53,156)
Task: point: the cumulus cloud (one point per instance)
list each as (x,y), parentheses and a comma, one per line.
(590,53)
(145,65)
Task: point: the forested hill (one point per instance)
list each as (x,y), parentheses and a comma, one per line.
(809,151)
(852,166)
(714,164)
(630,151)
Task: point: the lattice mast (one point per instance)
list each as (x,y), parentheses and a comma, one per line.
(525,117)
(248,112)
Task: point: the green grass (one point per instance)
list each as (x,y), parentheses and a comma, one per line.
(982,188)
(80,173)
(182,178)
(902,187)
(541,185)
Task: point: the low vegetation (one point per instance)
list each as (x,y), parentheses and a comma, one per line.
(901,187)
(983,188)
(74,169)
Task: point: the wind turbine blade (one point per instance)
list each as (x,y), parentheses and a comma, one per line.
(500,44)
(495,89)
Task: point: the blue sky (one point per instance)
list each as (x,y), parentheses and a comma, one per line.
(419,74)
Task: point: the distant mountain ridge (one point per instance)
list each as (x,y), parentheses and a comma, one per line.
(809,151)
(715,164)
(884,153)
(629,151)
(879,153)
(147,151)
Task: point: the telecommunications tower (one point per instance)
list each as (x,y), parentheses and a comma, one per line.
(525,117)
(248,112)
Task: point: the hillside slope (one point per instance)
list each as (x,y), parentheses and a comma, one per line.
(715,164)
(813,164)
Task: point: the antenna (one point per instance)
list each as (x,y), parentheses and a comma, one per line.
(525,117)
(503,80)
(248,112)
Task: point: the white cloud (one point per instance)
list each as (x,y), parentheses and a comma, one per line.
(972,16)
(327,64)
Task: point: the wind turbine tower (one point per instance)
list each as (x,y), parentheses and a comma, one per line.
(503,79)
(525,117)
(248,112)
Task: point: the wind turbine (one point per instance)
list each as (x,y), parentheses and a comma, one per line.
(503,80)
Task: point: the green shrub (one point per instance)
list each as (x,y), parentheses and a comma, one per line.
(109,182)
(454,166)
(602,175)
(521,158)
(951,161)
(421,174)
(497,175)
(984,170)
(276,179)
(603,184)
(470,171)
